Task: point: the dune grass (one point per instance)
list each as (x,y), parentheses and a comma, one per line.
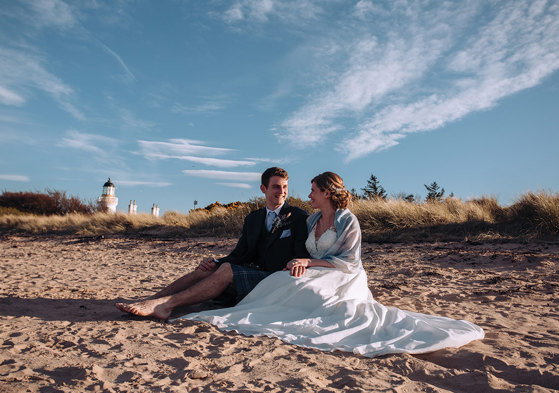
(533,216)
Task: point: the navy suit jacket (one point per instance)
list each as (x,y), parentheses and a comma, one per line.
(281,246)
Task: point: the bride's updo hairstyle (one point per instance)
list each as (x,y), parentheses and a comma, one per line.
(329,181)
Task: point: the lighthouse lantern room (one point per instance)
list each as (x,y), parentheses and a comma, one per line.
(108,199)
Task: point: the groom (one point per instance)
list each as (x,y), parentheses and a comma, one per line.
(271,237)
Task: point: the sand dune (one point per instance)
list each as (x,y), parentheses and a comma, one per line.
(59,330)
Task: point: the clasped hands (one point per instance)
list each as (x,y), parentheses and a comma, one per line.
(297,267)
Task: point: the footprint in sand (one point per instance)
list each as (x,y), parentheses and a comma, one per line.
(192,353)
(65,375)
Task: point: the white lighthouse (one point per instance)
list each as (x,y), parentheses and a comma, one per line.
(108,199)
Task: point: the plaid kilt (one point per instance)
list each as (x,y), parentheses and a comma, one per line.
(245,279)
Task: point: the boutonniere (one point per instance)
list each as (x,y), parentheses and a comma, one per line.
(281,221)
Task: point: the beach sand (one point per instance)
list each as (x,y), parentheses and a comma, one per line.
(60,331)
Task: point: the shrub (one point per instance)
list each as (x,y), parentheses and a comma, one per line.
(52,202)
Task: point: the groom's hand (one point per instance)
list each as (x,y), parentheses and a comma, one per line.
(207,265)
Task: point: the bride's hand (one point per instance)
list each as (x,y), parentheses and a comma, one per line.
(298,261)
(297,267)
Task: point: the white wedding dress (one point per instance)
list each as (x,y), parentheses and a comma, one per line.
(333,309)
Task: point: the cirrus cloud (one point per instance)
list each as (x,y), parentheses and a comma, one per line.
(223,175)
(183,149)
(441,62)
(101,146)
(236,185)
(20,178)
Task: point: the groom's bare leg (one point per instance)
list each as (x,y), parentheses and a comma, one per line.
(182,283)
(176,286)
(206,267)
(206,289)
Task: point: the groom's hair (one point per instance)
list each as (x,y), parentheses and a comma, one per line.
(273,171)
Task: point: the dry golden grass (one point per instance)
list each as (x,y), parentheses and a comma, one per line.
(98,223)
(533,216)
(398,220)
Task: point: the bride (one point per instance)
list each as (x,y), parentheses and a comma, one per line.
(324,302)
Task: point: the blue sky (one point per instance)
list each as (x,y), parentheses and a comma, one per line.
(179,101)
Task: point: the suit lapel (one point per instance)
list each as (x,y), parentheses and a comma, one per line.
(274,236)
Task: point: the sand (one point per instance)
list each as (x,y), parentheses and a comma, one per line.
(59,330)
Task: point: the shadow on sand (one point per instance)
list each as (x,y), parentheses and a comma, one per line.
(80,310)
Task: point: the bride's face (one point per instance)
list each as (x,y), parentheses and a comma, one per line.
(319,199)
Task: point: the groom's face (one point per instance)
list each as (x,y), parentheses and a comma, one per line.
(276,192)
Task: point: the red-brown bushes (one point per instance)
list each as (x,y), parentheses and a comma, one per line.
(49,203)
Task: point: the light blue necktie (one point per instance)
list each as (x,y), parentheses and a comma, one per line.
(270,220)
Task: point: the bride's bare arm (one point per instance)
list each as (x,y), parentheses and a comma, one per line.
(298,266)
(307,262)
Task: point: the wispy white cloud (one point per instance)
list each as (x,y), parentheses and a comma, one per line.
(178,147)
(374,71)
(24,67)
(207,105)
(17,136)
(365,8)
(71,109)
(19,178)
(222,163)
(290,11)
(516,50)
(100,145)
(223,175)
(236,185)
(4,118)
(8,97)
(190,150)
(438,64)
(269,102)
(52,13)
(256,9)
(278,161)
(23,71)
(234,14)
(129,75)
(133,183)
(131,121)
(58,14)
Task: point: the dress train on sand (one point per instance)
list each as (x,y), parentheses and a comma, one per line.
(333,308)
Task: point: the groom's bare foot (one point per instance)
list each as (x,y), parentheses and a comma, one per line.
(148,308)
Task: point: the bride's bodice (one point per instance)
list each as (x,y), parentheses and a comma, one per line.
(318,247)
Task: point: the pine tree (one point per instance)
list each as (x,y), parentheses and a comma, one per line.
(373,189)
(433,193)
